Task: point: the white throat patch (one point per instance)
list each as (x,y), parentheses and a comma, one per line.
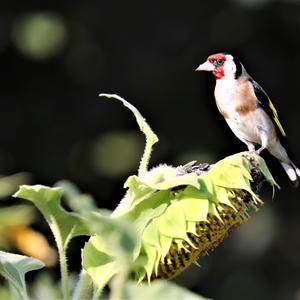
(229,67)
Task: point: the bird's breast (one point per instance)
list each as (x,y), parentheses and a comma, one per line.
(235,99)
(252,126)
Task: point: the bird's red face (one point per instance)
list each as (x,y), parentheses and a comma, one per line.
(215,64)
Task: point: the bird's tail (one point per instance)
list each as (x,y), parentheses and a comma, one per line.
(293,172)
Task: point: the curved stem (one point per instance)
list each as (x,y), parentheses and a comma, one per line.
(151,137)
(146,156)
(25,296)
(83,286)
(118,284)
(18,293)
(64,272)
(97,293)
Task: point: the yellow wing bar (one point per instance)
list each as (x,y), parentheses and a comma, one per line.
(275,115)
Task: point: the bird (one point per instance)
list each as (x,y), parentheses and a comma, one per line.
(248,110)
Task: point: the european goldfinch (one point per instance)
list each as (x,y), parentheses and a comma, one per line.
(248,110)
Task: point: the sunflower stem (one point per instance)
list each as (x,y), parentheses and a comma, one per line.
(83,286)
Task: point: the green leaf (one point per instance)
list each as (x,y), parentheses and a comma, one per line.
(97,261)
(172,223)
(152,257)
(159,289)
(194,209)
(193,204)
(146,211)
(166,177)
(265,171)
(165,242)
(158,179)
(14,267)
(230,173)
(64,225)
(76,200)
(137,192)
(110,251)
(228,176)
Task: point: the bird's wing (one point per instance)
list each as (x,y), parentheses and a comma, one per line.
(266,103)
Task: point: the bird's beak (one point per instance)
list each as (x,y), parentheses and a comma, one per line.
(207,66)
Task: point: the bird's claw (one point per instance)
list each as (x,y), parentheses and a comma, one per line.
(257,152)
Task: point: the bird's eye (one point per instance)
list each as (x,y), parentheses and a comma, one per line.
(219,61)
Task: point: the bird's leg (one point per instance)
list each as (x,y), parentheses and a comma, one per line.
(264,142)
(251,147)
(258,151)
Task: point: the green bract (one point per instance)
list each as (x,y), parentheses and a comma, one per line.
(177,217)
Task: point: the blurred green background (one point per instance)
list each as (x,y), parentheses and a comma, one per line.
(57,56)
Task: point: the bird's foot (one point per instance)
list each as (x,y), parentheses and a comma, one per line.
(252,150)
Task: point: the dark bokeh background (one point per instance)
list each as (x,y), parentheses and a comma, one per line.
(56,56)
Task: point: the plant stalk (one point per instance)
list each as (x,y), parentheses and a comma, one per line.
(146,156)
(64,272)
(83,286)
(17,293)
(118,284)
(97,293)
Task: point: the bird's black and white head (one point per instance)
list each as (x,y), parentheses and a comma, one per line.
(222,65)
